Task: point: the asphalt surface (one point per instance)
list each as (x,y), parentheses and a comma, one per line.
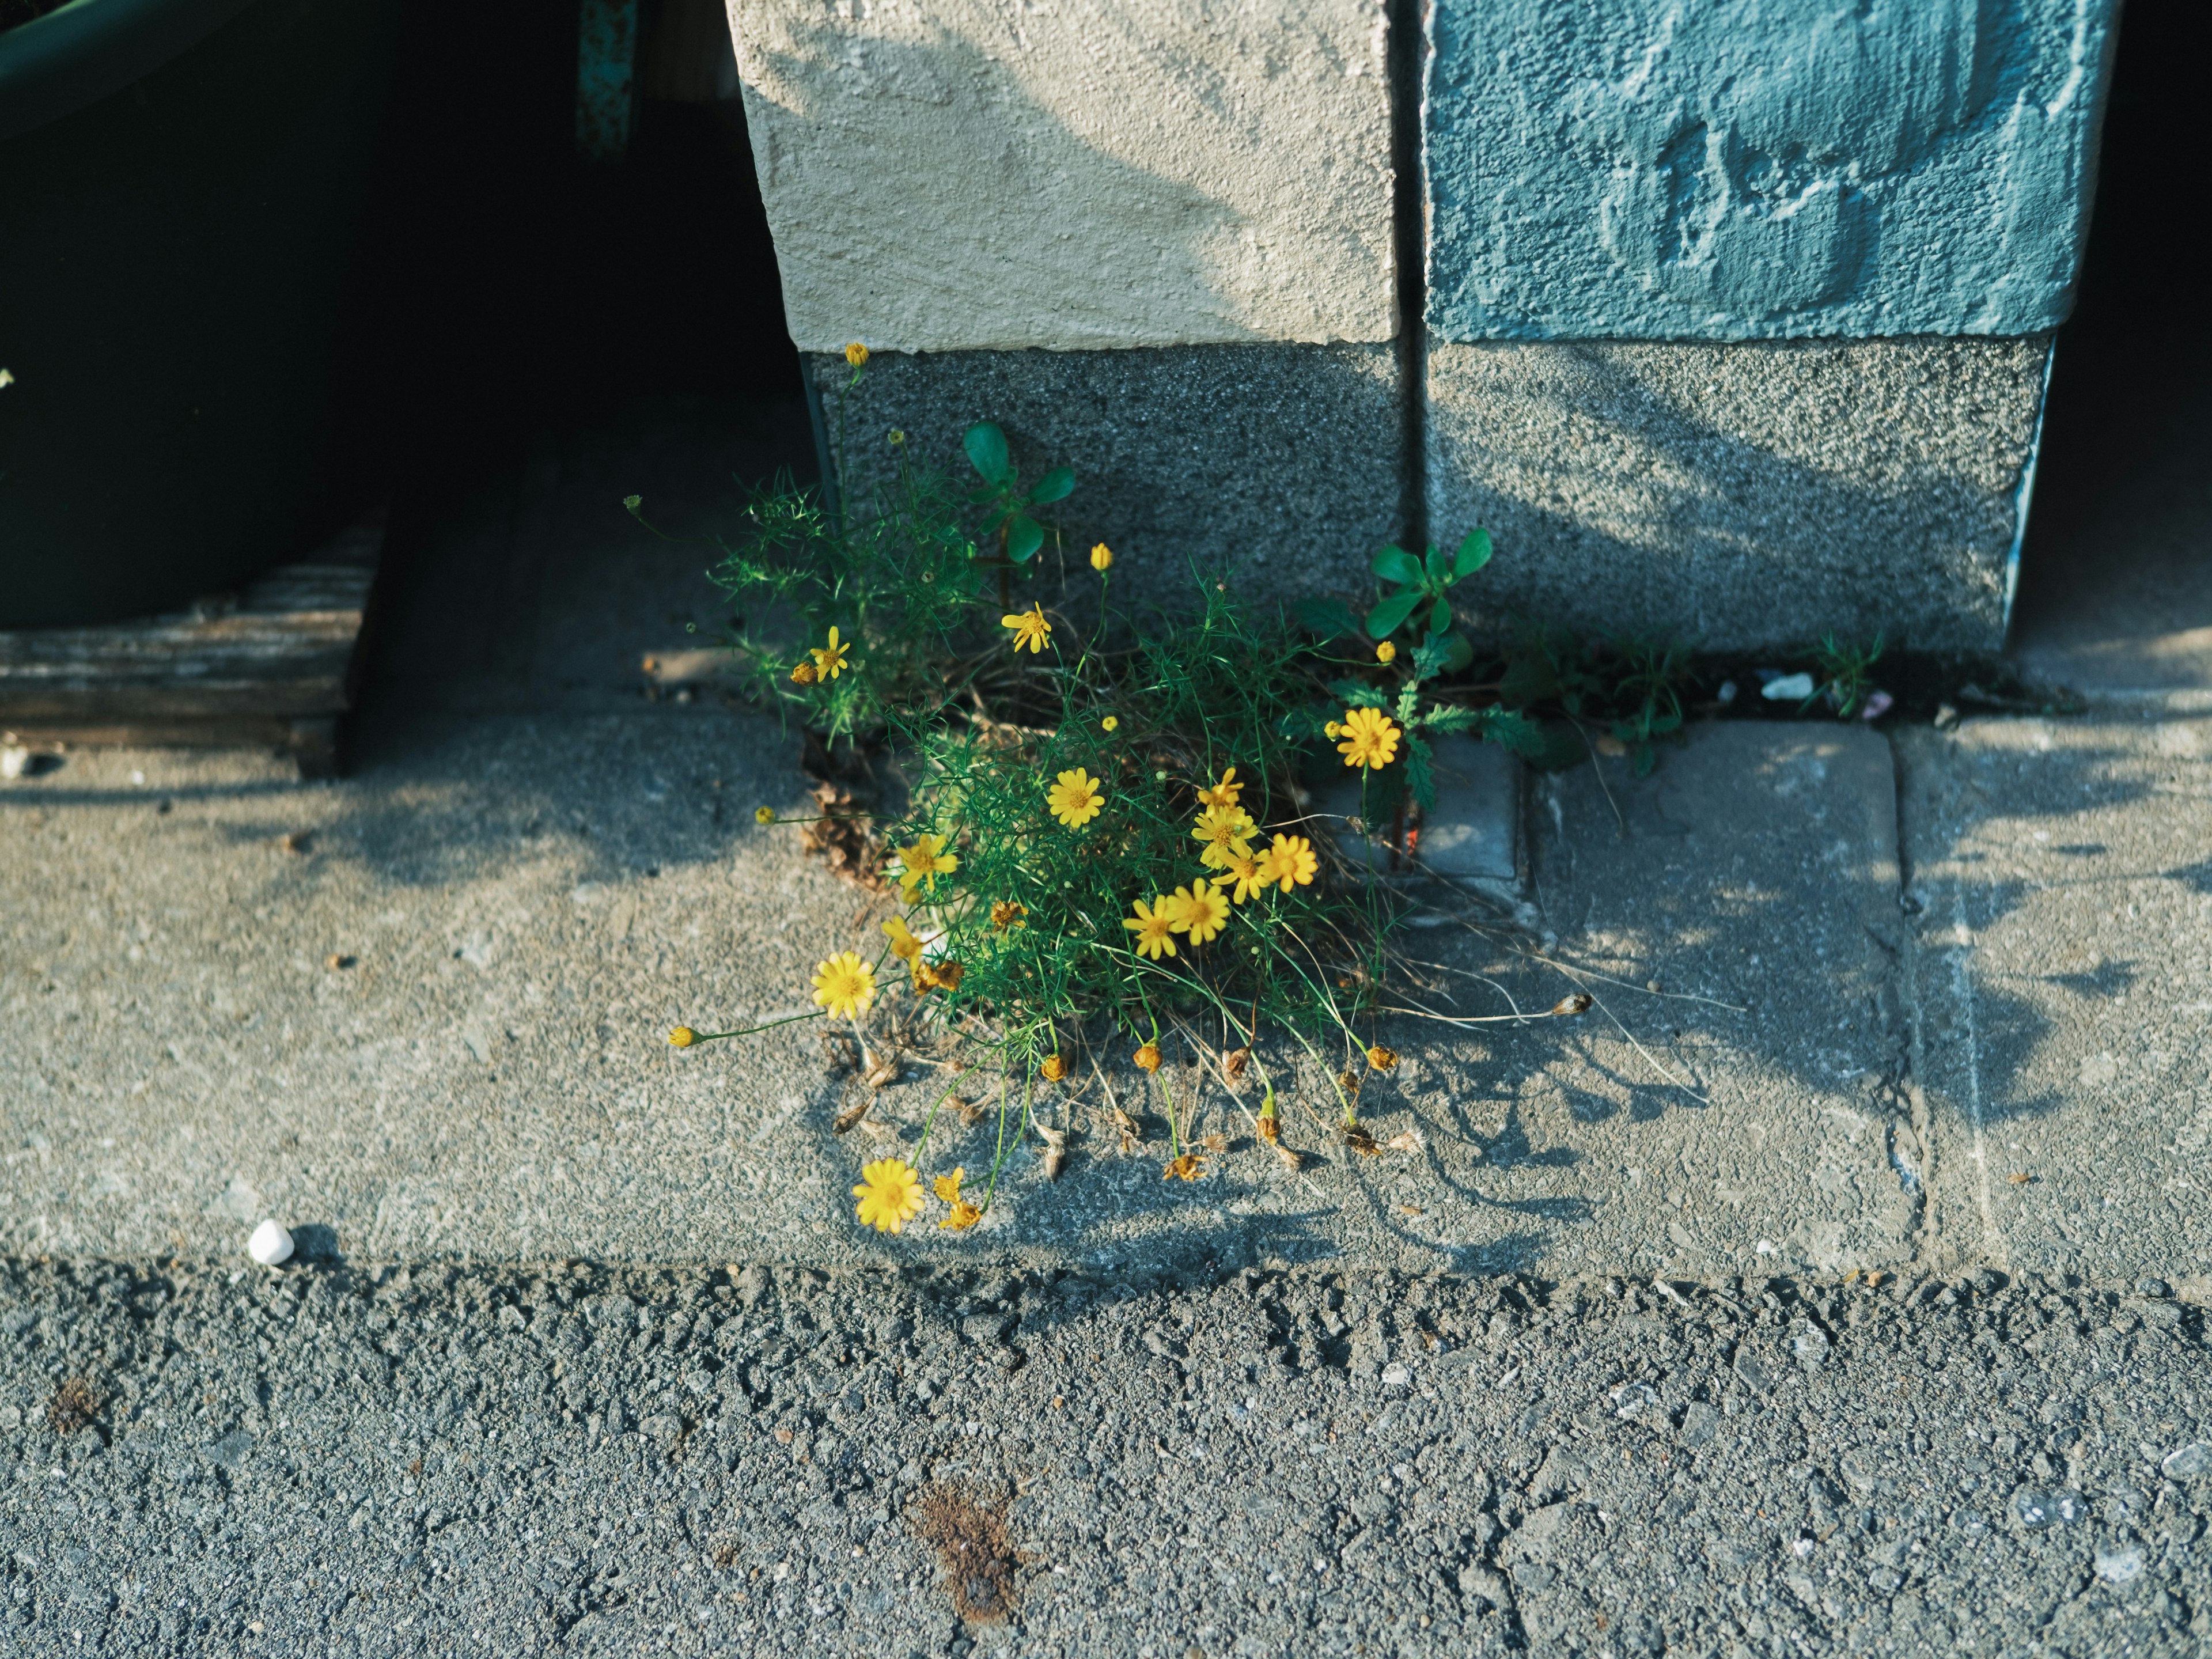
(335,1459)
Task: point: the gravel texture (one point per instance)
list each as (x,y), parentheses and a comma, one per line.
(338,1459)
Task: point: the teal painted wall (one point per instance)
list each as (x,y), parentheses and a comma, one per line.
(1757,169)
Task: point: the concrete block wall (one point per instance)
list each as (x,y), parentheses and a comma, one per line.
(1725,315)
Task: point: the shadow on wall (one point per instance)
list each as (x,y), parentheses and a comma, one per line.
(1744,494)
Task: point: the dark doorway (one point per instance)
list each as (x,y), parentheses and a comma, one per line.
(2116,580)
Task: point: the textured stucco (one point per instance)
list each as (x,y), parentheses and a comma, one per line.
(1746,495)
(947,174)
(1285,462)
(1747,169)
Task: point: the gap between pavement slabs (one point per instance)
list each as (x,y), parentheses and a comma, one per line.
(421,1013)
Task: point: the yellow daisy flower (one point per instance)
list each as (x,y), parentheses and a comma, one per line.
(1101,557)
(1112,722)
(964,1216)
(829,660)
(1291,861)
(1006,914)
(890,1193)
(904,945)
(1227,833)
(1200,912)
(1030,629)
(924,862)
(947,1187)
(1243,877)
(845,985)
(1223,793)
(1076,798)
(1370,738)
(857,355)
(1154,928)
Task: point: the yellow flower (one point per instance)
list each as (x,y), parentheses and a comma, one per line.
(681,1037)
(1189,1167)
(1110,723)
(1147,1058)
(1244,877)
(1290,862)
(1200,912)
(857,355)
(1332,728)
(1223,793)
(1007,914)
(1054,1068)
(1227,833)
(830,662)
(904,945)
(1076,798)
(924,861)
(803,674)
(1154,928)
(764,815)
(1386,651)
(890,1193)
(947,1187)
(1381,1058)
(845,985)
(964,1217)
(1101,557)
(1030,629)
(1370,738)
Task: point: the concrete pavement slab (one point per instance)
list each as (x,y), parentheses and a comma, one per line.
(2061,992)
(421,1013)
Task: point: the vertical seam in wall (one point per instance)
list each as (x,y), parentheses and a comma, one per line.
(1409,54)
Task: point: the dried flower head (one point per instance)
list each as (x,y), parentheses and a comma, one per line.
(1054,1068)
(1381,1058)
(1006,913)
(1189,1167)
(1147,1058)
(964,1215)
(890,1193)
(803,674)
(947,1187)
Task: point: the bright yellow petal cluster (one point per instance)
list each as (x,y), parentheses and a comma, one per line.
(1154,927)
(1370,738)
(1223,793)
(1227,832)
(1076,798)
(890,1193)
(829,660)
(1101,557)
(845,985)
(857,355)
(904,945)
(924,862)
(1242,877)
(1030,629)
(1290,862)
(1199,911)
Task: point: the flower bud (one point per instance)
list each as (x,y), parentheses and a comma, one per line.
(1148,1057)
(1054,1068)
(1101,557)
(857,355)
(681,1037)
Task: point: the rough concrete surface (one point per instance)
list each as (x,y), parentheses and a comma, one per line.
(1650,171)
(1748,494)
(1282,463)
(338,1459)
(2061,871)
(969,173)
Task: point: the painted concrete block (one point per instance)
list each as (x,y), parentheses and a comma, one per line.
(1284,463)
(1753,169)
(1745,495)
(949,174)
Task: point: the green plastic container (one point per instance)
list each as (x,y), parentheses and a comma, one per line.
(184,192)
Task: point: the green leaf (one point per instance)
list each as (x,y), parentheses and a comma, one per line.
(1394,564)
(1356,694)
(1420,776)
(1384,619)
(1053,487)
(1438,577)
(1023,536)
(1440,618)
(1430,655)
(1408,694)
(1332,619)
(1473,554)
(987,448)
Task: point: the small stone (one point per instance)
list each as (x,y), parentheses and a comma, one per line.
(1788,688)
(1700,1423)
(1811,1347)
(13,761)
(2120,1565)
(1396,1376)
(2153,1287)
(270,1244)
(10,1420)
(2187,1462)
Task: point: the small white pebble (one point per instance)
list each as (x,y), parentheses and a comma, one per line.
(14,761)
(270,1244)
